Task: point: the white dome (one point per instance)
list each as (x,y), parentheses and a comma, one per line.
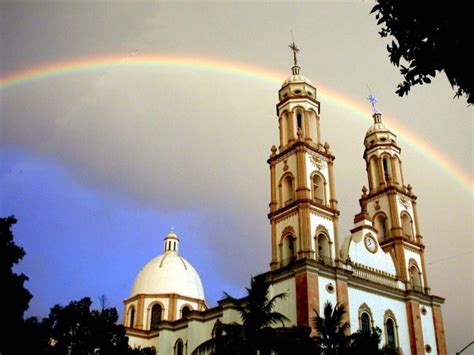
(169,273)
(378,126)
(297,78)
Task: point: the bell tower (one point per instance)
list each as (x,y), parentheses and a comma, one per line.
(303,207)
(391,205)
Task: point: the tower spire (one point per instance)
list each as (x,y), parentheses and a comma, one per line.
(295,69)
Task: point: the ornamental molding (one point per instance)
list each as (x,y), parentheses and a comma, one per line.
(404,201)
(317,162)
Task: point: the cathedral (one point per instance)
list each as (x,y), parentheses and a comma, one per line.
(377,272)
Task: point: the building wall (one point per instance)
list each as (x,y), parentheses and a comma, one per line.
(378,305)
(324,294)
(378,260)
(427,325)
(286,306)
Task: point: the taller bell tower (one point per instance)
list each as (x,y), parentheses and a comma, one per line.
(303,207)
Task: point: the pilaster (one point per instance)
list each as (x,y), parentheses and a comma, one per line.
(307,297)
(414,328)
(439,330)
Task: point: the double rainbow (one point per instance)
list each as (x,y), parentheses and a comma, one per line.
(99,63)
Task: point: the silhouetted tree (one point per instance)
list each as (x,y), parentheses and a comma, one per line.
(255,333)
(78,329)
(333,337)
(14,297)
(332,330)
(429,39)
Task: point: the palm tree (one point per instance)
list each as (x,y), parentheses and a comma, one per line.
(258,315)
(334,340)
(332,329)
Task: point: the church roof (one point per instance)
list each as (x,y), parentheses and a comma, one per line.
(297,78)
(169,273)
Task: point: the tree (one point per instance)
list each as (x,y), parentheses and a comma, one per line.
(430,39)
(332,329)
(333,337)
(14,296)
(78,329)
(255,333)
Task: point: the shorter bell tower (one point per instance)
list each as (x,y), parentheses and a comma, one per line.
(391,206)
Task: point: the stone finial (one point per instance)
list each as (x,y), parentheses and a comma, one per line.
(273,150)
(326,147)
(364,191)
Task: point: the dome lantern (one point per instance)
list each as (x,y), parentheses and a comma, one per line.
(171,242)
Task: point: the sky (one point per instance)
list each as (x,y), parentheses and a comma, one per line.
(98,164)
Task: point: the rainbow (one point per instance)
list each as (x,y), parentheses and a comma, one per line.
(61,68)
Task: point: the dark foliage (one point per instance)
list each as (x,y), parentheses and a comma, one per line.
(14,296)
(332,330)
(429,38)
(333,337)
(256,332)
(78,329)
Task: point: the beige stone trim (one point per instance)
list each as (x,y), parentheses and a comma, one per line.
(401,172)
(172,307)
(273,192)
(274,261)
(381,174)
(291,126)
(307,131)
(318,129)
(342,296)
(439,330)
(332,186)
(139,313)
(414,328)
(394,170)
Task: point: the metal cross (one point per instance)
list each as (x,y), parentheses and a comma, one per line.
(372,99)
(294,49)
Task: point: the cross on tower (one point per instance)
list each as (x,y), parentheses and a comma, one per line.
(295,50)
(372,99)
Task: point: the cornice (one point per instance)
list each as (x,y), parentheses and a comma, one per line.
(303,144)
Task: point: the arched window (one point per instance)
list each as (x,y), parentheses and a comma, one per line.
(156,313)
(299,120)
(185,311)
(179,347)
(390,331)
(288,190)
(317,188)
(381,224)
(289,252)
(131,317)
(323,249)
(386,167)
(365,322)
(415,277)
(407,226)
(365,318)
